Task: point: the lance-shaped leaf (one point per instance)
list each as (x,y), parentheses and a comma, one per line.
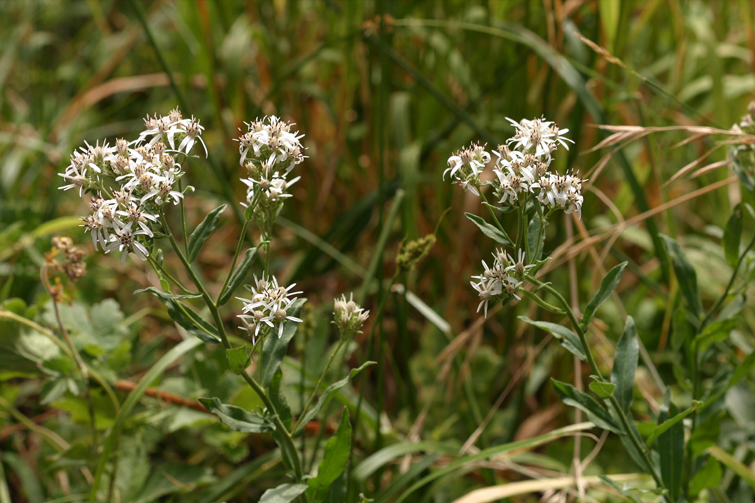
(203,231)
(274,347)
(329,392)
(185,316)
(625,364)
(238,276)
(715,332)
(279,399)
(601,388)
(732,236)
(238,359)
(534,231)
(334,459)
(668,423)
(607,286)
(237,418)
(284,493)
(685,275)
(671,450)
(568,339)
(490,231)
(584,402)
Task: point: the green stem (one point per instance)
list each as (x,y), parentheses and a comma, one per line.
(319,382)
(274,416)
(236,254)
(628,431)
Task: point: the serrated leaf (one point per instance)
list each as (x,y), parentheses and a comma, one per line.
(685,276)
(625,364)
(671,450)
(601,388)
(607,286)
(335,457)
(326,396)
(274,347)
(238,276)
(584,402)
(203,231)
(237,418)
(732,236)
(238,359)
(490,231)
(284,493)
(568,339)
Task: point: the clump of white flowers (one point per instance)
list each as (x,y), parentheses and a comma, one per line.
(131,182)
(348,316)
(267,310)
(522,181)
(269,151)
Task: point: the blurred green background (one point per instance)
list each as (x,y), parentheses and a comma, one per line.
(384,92)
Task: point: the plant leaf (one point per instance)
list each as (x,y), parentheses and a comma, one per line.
(237,418)
(732,236)
(279,399)
(203,231)
(671,449)
(607,286)
(185,316)
(536,246)
(490,231)
(601,388)
(326,396)
(238,276)
(685,275)
(238,358)
(274,348)
(284,493)
(715,332)
(584,402)
(334,459)
(665,425)
(707,477)
(568,339)
(625,364)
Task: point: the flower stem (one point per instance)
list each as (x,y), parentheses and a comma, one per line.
(239,245)
(162,269)
(628,430)
(319,382)
(288,443)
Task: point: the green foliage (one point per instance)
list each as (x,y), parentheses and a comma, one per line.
(203,231)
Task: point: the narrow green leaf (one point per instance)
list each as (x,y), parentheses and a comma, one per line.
(536,246)
(733,463)
(743,369)
(238,358)
(334,459)
(671,449)
(238,276)
(621,489)
(584,402)
(326,396)
(732,236)
(665,425)
(185,316)
(203,231)
(388,454)
(607,286)
(685,275)
(625,364)
(274,347)
(490,231)
(568,339)
(706,434)
(601,388)
(166,296)
(237,418)
(284,493)
(279,399)
(715,332)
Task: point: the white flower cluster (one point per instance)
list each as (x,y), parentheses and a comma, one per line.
(269,151)
(466,165)
(348,316)
(267,308)
(131,182)
(522,167)
(501,280)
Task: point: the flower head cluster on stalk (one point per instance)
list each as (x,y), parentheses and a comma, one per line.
(269,151)
(348,316)
(267,310)
(130,183)
(521,174)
